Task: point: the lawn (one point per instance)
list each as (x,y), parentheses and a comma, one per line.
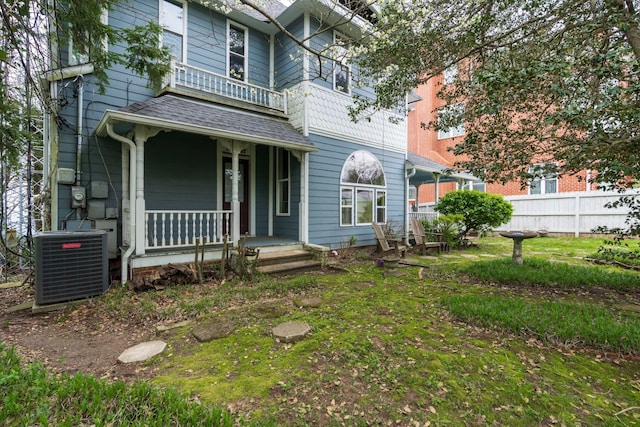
(464,339)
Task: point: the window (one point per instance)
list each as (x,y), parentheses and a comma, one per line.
(474,185)
(412,192)
(173,22)
(453,114)
(341,70)
(545,184)
(363,187)
(237,52)
(282,176)
(450,74)
(77,58)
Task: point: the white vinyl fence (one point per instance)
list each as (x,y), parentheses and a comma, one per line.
(577,213)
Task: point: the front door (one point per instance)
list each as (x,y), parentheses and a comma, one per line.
(243,190)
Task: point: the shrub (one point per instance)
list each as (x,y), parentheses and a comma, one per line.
(481,211)
(448,226)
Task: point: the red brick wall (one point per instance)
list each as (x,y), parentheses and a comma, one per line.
(425,142)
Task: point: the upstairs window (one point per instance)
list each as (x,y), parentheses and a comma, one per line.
(172,19)
(451,113)
(363,193)
(341,70)
(546,184)
(77,58)
(237,51)
(450,74)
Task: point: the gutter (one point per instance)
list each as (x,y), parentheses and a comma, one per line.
(124,269)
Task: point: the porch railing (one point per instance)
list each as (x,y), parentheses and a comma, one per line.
(423,215)
(175,229)
(198,79)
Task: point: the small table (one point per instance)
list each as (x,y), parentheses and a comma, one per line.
(518,237)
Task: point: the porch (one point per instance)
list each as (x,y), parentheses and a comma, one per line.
(198,171)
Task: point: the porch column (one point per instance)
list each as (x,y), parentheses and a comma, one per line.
(140,202)
(437,177)
(303,211)
(235,200)
(142,133)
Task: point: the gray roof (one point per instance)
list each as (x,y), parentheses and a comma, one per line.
(427,169)
(188,115)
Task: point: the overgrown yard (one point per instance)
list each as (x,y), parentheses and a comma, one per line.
(466,338)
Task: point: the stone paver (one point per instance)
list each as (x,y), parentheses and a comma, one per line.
(469,256)
(311,302)
(213,329)
(291,331)
(142,351)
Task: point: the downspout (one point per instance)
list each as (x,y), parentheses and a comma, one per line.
(80,80)
(124,269)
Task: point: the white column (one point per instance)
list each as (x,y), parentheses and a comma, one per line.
(303,211)
(437,177)
(235,201)
(140,202)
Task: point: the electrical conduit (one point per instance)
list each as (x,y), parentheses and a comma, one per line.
(132,200)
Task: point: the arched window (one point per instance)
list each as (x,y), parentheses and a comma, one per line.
(363,190)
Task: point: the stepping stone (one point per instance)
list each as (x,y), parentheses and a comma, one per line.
(469,256)
(142,351)
(213,329)
(291,331)
(313,302)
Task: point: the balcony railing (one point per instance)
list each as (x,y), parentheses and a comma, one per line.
(175,229)
(197,79)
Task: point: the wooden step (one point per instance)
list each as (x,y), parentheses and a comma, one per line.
(282,257)
(290,267)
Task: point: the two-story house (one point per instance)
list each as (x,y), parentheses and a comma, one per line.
(250,135)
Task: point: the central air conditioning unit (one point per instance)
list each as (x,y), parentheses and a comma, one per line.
(70,265)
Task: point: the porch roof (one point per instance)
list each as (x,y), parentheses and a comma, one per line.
(171,112)
(427,170)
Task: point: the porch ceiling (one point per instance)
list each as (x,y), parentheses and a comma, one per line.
(426,171)
(170,112)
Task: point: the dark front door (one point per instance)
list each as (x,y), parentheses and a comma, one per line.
(243,190)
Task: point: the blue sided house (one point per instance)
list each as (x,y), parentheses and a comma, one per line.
(250,136)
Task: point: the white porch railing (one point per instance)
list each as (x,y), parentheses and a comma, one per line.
(175,229)
(423,215)
(194,78)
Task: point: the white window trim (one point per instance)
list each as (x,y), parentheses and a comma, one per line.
(452,132)
(376,206)
(185,18)
(542,181)
(341,63)
(351,222)
(372,190)
(246,50)
(104,18)
(450,74)
(280,180)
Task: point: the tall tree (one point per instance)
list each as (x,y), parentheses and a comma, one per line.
(541,80)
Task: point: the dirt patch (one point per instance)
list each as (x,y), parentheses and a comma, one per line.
(79,338)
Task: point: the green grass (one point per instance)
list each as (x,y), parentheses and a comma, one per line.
(30,396)
(464,341)
(540,272)
(551,321)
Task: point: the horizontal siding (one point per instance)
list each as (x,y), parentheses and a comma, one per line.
(325,167)
(180,172)
(262,190)
(288,71)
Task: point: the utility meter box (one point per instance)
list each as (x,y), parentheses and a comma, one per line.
(78,197)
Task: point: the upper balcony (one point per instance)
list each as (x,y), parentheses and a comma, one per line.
(197,81)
